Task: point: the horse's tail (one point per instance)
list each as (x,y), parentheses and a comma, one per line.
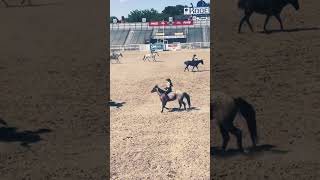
(249,114)
(242,4)
(144,57)
(188,98)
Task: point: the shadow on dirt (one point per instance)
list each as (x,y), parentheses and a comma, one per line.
(254,151)
(116,104)
(181,110)
(291,30)
(10,134)
(36,5)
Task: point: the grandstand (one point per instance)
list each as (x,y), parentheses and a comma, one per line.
(133,34)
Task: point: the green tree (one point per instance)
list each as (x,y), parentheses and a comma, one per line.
(174,10)
(150,14)
(111,19)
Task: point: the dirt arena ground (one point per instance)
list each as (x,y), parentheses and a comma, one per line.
(53,86)
(279,73)
(147,144)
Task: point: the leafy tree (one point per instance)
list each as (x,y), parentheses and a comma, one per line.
(111,19)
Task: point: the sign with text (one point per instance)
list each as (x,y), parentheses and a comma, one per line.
(196,10)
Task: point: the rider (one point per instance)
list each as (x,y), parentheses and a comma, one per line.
(168,88)
(194,57)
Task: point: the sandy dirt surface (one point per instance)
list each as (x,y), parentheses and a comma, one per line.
(53,86)
(147,144)
(279,73)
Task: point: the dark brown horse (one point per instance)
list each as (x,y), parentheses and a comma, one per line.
(224,110)
(266,7)
(171,97)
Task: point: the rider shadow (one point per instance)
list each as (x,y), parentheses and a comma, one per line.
(181,110)
(253,151)
(116,104)
(10,134)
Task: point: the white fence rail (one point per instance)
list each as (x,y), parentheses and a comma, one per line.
(146,47)
(146,25)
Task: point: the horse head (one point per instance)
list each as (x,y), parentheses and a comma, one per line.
(294,3)
(120,54)
(201,61)
(154,89)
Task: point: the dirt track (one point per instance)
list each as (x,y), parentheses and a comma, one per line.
(52,76)
(150,145)
(279,73)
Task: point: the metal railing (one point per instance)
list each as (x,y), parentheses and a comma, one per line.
(141,25)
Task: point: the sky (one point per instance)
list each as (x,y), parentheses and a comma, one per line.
(120,8)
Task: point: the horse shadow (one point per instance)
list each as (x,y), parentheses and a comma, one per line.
(116,104)
(290,30)
(200,71)
(181,109)
(36,5)
(11,134)
(253,151)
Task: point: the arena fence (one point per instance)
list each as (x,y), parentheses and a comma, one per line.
(146,47)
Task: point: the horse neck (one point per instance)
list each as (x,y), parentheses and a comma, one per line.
(160,91)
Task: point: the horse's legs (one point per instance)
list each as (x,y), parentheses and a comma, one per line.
(163,105)
(225,136)
(237,132)
(5,3)
(184,105)
(240,24)
(265,23)
(192,68)
(248,20)
(197,67)
(280,21)
(180,104)
(187,67)
(245,18)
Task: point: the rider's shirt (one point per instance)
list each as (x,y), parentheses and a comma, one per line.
(168,88)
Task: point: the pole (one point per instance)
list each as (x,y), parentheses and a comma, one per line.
(163,35)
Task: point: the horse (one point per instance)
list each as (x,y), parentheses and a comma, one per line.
(223,112)
(192,63)
(149,56)
(22,2)
(116,56)
(171,97)
(266,7)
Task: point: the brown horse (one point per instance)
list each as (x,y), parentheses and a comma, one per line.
(171,97)
(224,110)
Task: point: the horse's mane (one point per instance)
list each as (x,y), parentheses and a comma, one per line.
(160,90)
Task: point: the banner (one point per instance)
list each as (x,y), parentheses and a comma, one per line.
(181,23)
(158,23)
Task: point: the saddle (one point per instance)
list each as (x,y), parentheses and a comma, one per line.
(172,95)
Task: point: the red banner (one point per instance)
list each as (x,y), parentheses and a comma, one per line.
(158,23)
(181,23)
(174,23)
